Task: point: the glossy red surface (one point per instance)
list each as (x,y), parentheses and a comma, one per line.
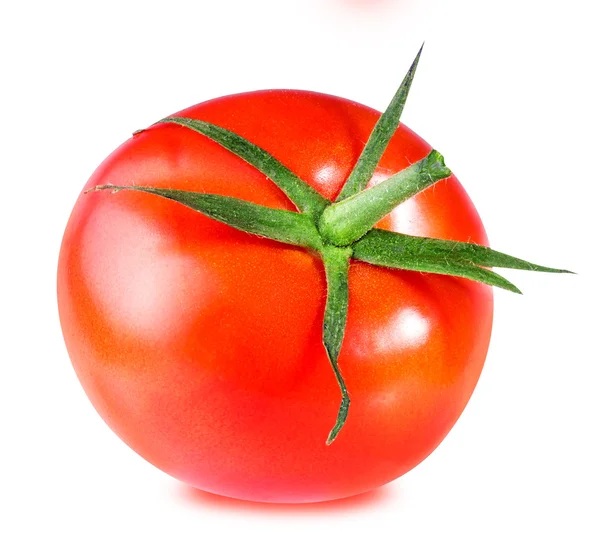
(200,345)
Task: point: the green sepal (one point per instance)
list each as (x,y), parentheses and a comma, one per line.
(380,137)
(374,250)
(343,230)
(396,246)
(304,197)
(343,223)
(280,225)
(336,262)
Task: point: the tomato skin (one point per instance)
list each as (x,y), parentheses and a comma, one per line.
(200,345)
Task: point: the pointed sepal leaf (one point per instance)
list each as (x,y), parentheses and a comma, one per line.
(376,252)
(336,262)
(396,246)
(280,225)
(380,137)
(304,197)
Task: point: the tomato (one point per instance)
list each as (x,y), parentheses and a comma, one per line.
(200,345)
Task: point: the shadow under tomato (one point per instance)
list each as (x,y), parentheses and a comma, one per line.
(364,501)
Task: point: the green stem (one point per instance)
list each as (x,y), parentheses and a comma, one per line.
(345,222)
(336,261)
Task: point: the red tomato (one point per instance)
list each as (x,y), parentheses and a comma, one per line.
(200,345)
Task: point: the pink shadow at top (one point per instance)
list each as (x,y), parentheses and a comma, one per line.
(367,4)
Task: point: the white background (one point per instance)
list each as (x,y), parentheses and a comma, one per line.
(506,90)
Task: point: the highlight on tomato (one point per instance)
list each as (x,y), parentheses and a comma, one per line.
(288,299)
